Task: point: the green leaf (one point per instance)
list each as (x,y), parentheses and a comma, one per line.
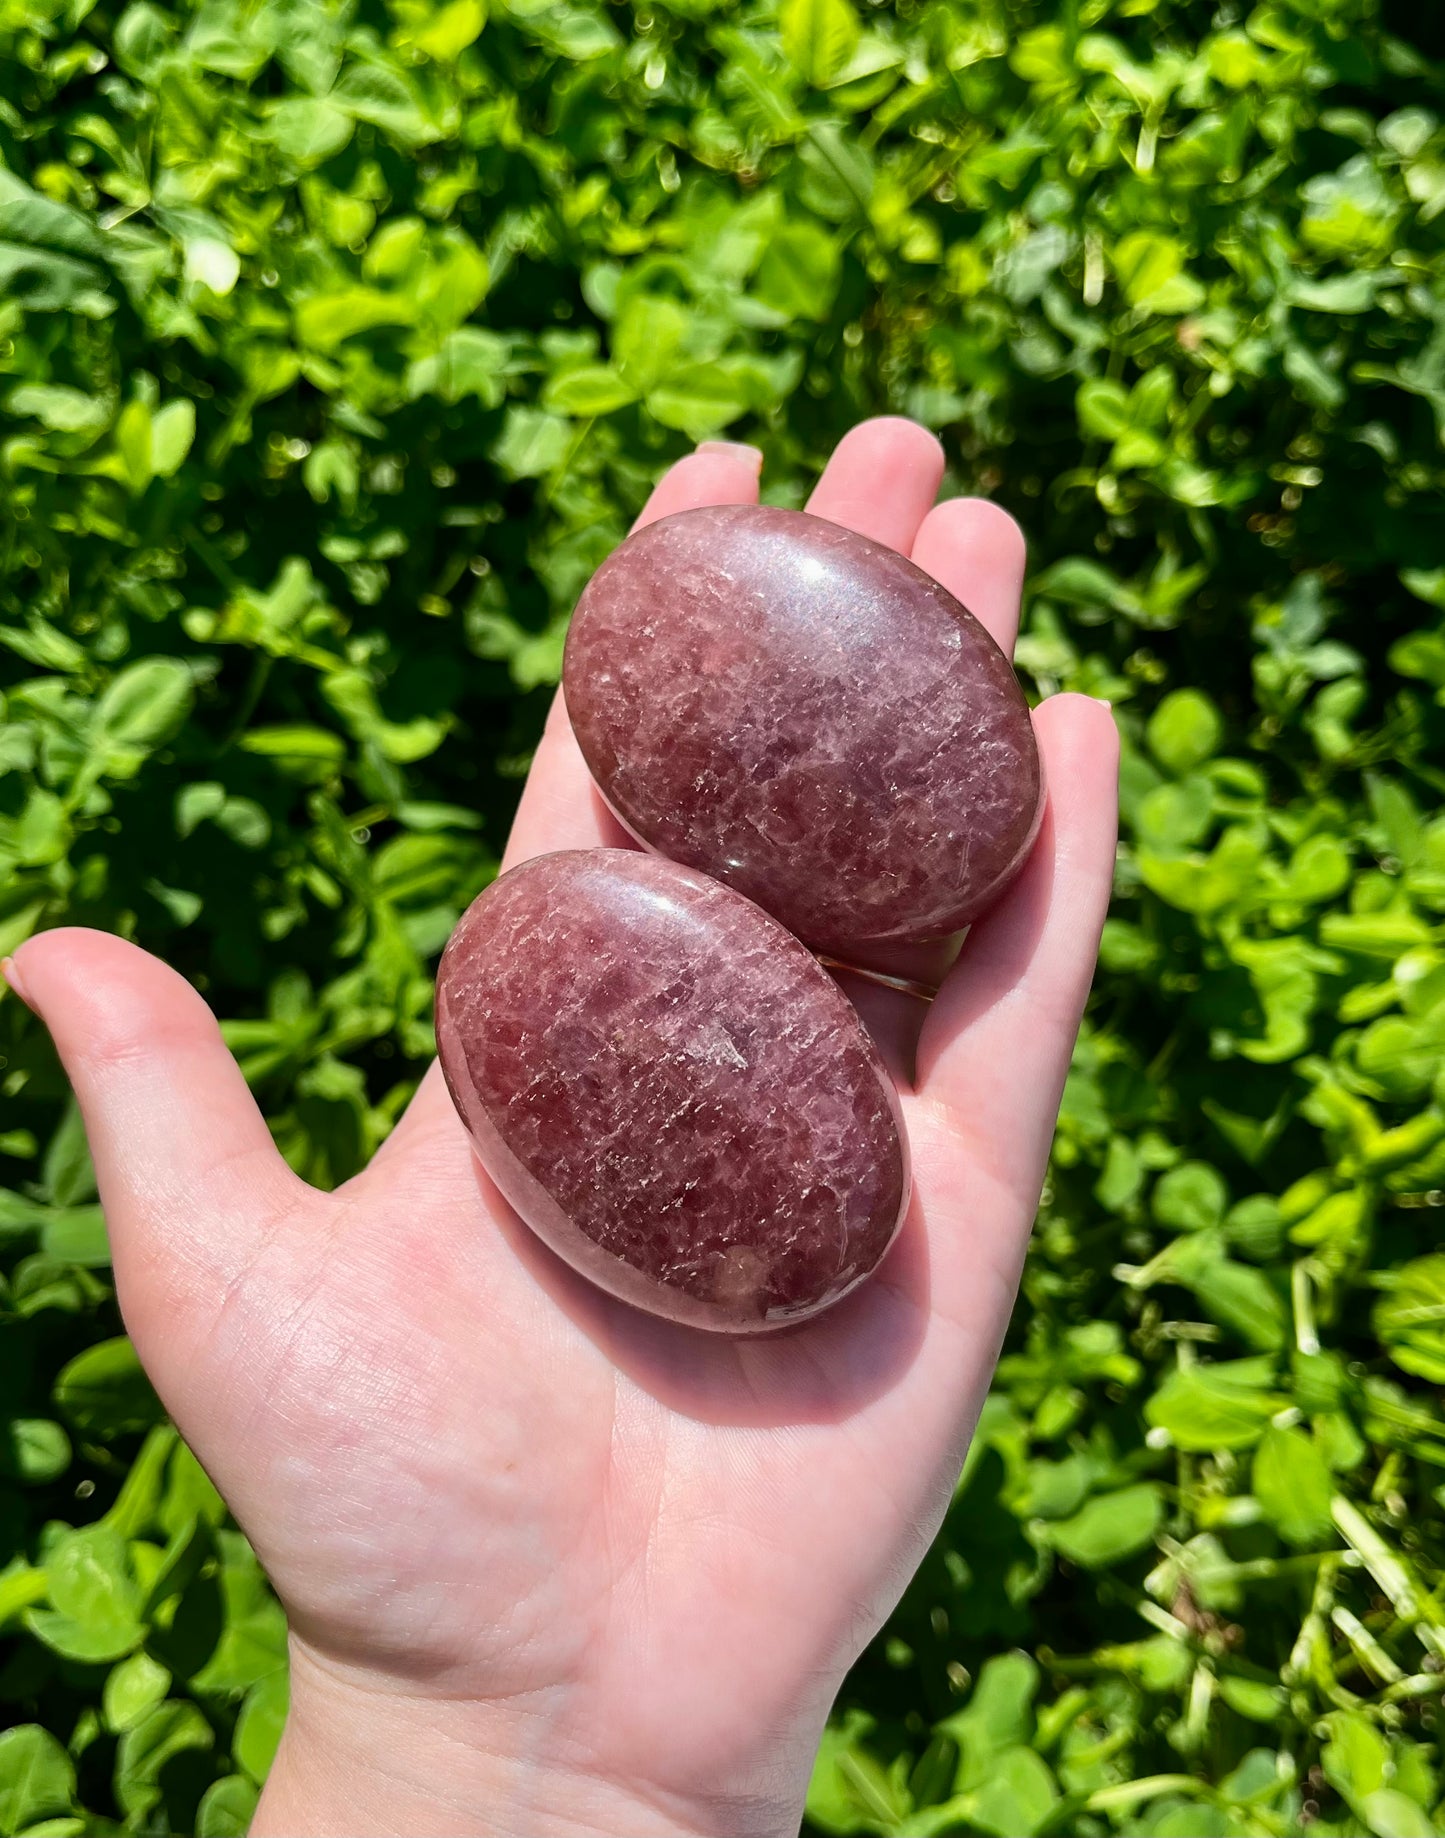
(1349,213)
(1244,1301)
(37,1778)
(68,411)
(67,1171)
(42,644)
(309,132)
(142,40)
(1427,584)
(1109,1527)
(18,924)
(190,1547)
(296,742)
(173,427)
(29,217)
(470,361)
(252,1645)
(1252,1698)
(839,175)
(103,1392)
(309,40)
(132,1690)
(1103,408)
(850,1790)
(1184,731)
(1401,1056)
(1292,1483)
(1259,1779)
(135,463)
(1390,1814)
(1356,1758)
(1191,1197)
(327,320)
(77,1235)
(380,95)
(227,1808)
(532,443)
(1223,1406)
(799,272)
(144,705)
(354,697)
(1080,582)
(168,1731)
(43,832)
(649,332)
(1318,870)
(451,29)
(259,1726)
(1410,1318)
(591,390)
(999,1715)
(1173,817)
(819,37)
(1018,1797)
(578,33)
(95,1610)
(698,399)
(189,1494)
(209,263)
(1150,268)
(43,280)
(33,1450)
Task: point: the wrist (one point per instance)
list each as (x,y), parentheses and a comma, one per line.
(364,1755)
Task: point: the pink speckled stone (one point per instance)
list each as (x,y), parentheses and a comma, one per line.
(669,1090)
(802,713)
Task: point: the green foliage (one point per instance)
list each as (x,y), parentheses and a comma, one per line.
(338,344)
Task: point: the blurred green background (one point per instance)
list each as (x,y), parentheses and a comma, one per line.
(339,344)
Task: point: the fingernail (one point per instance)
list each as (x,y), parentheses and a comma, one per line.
(1103,702)
(739,449)
(10,970)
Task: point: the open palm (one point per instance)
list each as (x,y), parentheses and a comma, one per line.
(543,1542)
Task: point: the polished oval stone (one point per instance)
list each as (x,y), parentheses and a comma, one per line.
(802,713)
(669,1090)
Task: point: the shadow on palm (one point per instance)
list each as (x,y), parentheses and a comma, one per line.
(819,1371)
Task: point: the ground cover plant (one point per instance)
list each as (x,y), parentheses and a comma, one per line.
(338,345)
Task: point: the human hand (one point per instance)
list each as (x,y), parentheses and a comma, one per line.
(550,1564)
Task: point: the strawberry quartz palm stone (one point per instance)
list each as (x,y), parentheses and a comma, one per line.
(669,1090)
(804,714)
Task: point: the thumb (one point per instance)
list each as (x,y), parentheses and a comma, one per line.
(189,1177)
